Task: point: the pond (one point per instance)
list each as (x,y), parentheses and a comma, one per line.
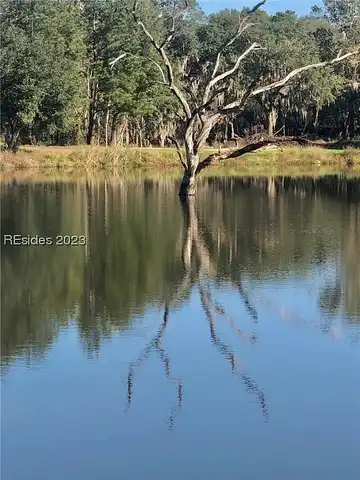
(148,338)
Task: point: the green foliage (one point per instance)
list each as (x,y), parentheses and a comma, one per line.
(57,84)
(42,57)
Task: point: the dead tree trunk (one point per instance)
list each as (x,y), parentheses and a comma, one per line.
(188,183)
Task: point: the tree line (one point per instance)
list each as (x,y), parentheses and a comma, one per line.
(60,84)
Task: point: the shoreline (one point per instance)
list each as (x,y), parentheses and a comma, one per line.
(74,160)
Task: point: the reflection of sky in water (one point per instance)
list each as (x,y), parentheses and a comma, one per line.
(68,412)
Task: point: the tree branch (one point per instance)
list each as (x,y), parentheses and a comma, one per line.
(160,49)
(175,16)
(206,129)
(228,73)
(112,63)
(177,146)
(252,147)
(242,27)
(234,106)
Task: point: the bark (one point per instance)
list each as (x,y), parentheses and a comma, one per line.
(188,184)
(252,147)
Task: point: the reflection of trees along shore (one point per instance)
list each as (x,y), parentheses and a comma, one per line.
(199,270)
(133,256)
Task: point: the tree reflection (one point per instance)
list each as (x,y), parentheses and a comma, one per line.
(200,269)
(155,345)
(144,250)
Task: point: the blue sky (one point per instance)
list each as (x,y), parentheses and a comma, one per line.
(272,6)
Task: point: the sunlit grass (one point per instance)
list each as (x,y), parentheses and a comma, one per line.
(96,159)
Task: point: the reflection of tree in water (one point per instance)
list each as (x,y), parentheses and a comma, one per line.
(251,228)
(122,270)
(298,224)
(156,345)
(196,254)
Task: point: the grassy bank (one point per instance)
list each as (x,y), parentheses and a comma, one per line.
(95,159)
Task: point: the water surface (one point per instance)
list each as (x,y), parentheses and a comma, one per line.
(214,339)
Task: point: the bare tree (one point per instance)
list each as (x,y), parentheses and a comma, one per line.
(200,106)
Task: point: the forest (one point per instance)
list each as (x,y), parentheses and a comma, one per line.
(83,72)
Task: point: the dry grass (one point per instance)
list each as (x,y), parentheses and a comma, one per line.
(85,158)
(124,160)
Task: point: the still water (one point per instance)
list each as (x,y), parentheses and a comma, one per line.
(217,339)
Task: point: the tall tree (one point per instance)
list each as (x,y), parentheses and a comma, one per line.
(41,59)
(344,17)
(206,99)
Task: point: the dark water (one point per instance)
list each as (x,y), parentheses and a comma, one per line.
(217,339)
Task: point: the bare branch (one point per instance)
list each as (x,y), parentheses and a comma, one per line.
(112,63)
(295,72)
(208,124)
(234,106)
(242,27)
(206,129)
(174,18)
(161,51)
(177,146)
(228,73)
(261,144)
(252,147)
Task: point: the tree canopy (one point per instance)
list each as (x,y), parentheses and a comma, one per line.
(58,85)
